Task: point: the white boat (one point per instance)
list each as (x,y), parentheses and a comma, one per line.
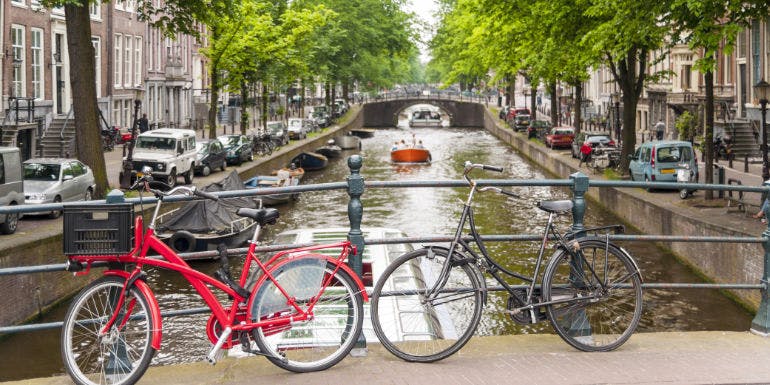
(375,259)
(425,118)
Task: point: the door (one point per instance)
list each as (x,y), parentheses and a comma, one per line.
(743,86)
(58,81)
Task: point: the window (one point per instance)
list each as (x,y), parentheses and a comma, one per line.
(19,78)
(138,61)
(686,77)
(128,59)
(151,37)
(36,46)
(97,43)
(118,60)
(727,69)
(116,109)
(18,2)
(742,44)
(127,113)
(95,9)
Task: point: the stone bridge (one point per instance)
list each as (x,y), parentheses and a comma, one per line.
(384,113)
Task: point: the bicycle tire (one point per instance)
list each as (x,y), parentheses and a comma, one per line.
(325,339)
(417,331)
(603,323)
(87,357)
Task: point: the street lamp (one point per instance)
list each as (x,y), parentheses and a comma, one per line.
(761,90)
(616,101)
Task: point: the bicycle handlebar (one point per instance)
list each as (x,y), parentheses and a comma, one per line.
(154,187)
(470,166)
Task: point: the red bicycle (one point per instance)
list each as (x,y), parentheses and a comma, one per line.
(303,310)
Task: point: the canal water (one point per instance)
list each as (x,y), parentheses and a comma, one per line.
(416,211)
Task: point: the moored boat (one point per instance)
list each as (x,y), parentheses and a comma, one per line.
(363,132)
(310,161)
(348,142)
(330,150)
(269,181)
(410,155)
(201,225)
(294,172)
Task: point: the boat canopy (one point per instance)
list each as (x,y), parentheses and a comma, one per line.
(209,216)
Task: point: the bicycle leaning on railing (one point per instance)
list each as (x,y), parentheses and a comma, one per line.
(427,304)
(302,310)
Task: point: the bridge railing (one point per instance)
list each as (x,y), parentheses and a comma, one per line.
(355,185)
(465,96)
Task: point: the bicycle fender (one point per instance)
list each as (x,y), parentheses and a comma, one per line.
(152,302)
(479,275)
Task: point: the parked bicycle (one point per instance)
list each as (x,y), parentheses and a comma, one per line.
(263,145)
(427,304)
(303,310)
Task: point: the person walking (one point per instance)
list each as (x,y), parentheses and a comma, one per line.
(143,124)
(660,129)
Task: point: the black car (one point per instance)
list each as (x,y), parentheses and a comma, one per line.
(211,156)
(520,122)
(538,129)
(239,148)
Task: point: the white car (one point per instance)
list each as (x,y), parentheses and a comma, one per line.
(54,180)
(297,130)
(168,151)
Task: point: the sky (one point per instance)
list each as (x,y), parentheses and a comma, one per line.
(425,10)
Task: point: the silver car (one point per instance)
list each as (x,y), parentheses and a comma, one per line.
(53,180)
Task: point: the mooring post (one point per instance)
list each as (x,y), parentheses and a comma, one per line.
(761,323)
(355,236)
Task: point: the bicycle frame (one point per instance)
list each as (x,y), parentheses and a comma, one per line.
(232,319)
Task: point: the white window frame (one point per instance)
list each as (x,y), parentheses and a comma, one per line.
(95,10)
(38,75)
(96,42)
(128,60)
(118,61)
(150,39)
(117,108)
(19,3)
(19,78)
(127,113)
(138,61)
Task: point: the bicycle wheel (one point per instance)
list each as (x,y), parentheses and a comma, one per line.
(604,286)
(417,329)
(122,355)
(328,336)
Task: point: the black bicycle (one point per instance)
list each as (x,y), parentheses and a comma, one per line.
(428,302)
(262,145)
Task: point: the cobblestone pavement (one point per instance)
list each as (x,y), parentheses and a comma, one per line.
(647,358)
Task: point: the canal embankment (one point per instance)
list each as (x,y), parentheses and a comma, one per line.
(662,213)
(26,296)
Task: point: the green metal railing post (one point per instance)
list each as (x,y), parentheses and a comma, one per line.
(355,236)
(761,322)
(579,325)
(579,189)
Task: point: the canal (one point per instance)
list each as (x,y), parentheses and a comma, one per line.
(416,211)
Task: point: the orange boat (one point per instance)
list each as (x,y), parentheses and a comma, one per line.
(410,155)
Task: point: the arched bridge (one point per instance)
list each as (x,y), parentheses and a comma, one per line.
(463,112)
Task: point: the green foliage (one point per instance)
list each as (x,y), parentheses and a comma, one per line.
(686,125)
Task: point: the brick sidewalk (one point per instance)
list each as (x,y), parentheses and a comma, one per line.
(647,358)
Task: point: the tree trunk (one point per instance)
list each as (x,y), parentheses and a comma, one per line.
(512,91)
(83,85)
(213,103)
(533,102)
(265,111)
(708,149)
(328,93)
(576,110)
(554,104)
(628,129)
(244,107)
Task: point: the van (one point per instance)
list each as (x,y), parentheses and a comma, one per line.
(658,161)
(11,187)
(170,152)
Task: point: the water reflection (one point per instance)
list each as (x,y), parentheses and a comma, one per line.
(419,211)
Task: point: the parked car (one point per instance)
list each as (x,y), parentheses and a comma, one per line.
(168,151)
(278,133)
(321,118)
(520,122)
(297,129)
(11,187)
(598,138)
(55,180)
(503,112)
(211,156)
(238,147)
(538,129)
(513,111)
(310,125)
(560,137)
(342,104)
(658,161)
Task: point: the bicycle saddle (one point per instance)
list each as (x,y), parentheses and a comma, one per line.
(263,216)
(558,207)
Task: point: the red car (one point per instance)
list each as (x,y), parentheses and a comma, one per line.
(560,137)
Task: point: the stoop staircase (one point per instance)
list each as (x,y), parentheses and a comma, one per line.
(58,140)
